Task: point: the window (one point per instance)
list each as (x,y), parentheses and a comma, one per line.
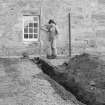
(31,28)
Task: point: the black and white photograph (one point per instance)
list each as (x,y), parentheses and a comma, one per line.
(52,52)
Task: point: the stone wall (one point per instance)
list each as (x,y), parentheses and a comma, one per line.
(87,26)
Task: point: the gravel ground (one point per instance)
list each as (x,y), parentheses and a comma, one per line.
(23,83)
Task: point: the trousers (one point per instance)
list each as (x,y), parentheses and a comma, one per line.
(51,47)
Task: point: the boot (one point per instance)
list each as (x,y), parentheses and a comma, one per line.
(54,56)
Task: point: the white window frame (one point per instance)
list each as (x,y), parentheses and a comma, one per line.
(31,39)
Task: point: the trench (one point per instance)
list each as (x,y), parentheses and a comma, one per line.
(68,82)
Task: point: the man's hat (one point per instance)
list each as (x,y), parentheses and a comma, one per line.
(51,21)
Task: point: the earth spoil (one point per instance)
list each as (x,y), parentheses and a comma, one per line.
(83,76)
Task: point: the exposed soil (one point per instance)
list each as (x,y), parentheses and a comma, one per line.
(83,76)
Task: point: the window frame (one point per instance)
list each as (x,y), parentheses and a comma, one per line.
(38,28)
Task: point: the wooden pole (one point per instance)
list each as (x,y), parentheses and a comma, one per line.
(69,35)
(39,31)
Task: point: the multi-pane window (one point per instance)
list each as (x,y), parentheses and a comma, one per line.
(31,28)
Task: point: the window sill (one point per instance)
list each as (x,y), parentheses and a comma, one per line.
(30,40)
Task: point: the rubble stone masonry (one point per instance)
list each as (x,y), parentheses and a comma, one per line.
(87,26)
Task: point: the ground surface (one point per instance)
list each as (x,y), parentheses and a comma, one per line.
(23,83)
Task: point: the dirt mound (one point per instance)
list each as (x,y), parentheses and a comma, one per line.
(84,77)
(89,72)
(84,61)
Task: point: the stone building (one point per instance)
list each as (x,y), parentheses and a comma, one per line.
(20,22)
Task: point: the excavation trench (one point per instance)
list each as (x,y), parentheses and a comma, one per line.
(70,83)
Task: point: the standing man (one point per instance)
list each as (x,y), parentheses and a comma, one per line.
(52,34)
